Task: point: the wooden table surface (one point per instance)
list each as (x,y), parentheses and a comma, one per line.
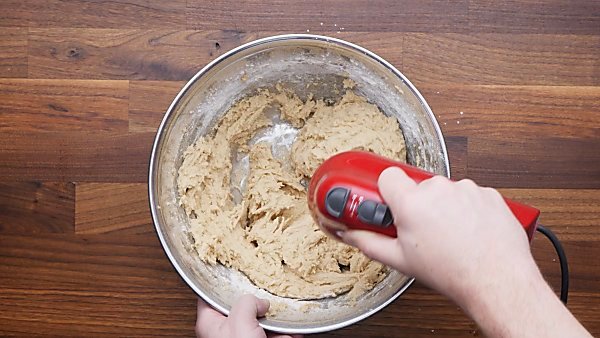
(83,85)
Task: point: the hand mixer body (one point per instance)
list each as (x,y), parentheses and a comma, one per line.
(343,194)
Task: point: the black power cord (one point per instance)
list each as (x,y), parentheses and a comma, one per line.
(562,259)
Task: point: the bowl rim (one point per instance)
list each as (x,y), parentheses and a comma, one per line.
(160,134)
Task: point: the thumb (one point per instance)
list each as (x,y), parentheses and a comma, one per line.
(245,311)
(376,246)
(394,182)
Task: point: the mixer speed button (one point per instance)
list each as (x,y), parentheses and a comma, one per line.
(335,201)
(374,213)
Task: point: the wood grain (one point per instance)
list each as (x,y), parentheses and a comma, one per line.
(509,59)
(112,207)
(458,156)
(108,14)
(583,267)
(34,207)
(122,263)
(154,54)
(100,314)
(75,156)
(118,292)
(124,54)
(13,52)
(541,163)
(536,16)
(491,58)
(356,15)
(14,13)
(149,102)
(522,112)
(536,163)
(63,105)
(91,285)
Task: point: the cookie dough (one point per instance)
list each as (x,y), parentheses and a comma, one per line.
(269,234)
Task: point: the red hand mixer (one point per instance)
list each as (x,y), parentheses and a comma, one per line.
(343,194)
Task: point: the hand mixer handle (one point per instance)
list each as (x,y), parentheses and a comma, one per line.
(343,194)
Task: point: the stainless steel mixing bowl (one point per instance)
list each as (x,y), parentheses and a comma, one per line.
(304,63)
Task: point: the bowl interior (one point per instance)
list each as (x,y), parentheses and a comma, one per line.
(293,61)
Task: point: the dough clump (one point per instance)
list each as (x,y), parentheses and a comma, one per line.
(268,234)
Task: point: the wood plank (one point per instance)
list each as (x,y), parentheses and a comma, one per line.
(108,14)
(75,156)
(97,313)
(586,311)
(112,207)
(117,263)
(35,207)
(84,285)
(354,15)
(458,157)
(134,283)
(14,13)
(509,59)
(124,54)
(132,54)
(148,103)
(535,163)
(535,16)
(154,54)
(13,51)
(515,111)
(63,105)
(573,214)
(583,263)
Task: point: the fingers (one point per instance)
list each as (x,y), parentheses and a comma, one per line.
(276,335)
(208,320)
(393,184)
(250,306)
(375,246)
(245,311)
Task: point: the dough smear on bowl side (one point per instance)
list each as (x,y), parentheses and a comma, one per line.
(270,236)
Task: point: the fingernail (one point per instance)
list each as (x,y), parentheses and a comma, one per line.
(265,302)
(340,234)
